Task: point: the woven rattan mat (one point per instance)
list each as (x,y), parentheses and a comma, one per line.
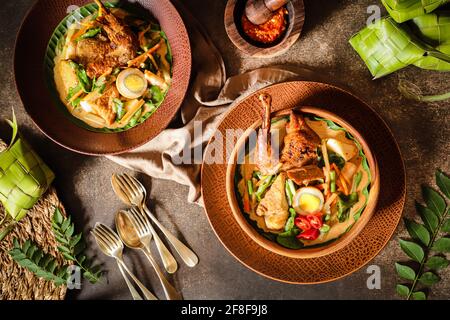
(15,281)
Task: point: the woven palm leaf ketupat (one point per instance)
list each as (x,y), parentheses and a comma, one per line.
(386,47)
(404,10)
(24,178)
(433,29)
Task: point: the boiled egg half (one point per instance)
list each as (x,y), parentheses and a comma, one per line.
(131,83)
(308,200)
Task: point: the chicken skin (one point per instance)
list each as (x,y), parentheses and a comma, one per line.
(102,54)
(300,144)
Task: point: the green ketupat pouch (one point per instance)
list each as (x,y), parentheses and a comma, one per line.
(24,178)
(404,10)
(386,46)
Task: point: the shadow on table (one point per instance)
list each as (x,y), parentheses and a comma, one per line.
(316,12)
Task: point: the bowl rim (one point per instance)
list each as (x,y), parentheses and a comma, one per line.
(335,245)
(177,93)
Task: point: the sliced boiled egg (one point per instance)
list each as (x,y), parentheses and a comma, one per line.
(131,83)
(308,200)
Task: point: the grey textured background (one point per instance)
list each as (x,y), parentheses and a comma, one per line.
(421,130)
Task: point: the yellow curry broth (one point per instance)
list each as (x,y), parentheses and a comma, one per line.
(65,79)
(337,228)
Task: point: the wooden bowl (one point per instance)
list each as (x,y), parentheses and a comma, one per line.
(233,13)
(304,252)
(30,50)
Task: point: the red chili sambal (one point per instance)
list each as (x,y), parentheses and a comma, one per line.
(268,32)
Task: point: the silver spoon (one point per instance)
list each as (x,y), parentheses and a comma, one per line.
(169,262)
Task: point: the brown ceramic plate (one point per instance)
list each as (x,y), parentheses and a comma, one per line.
(315,251)
(370,240)
(31,45)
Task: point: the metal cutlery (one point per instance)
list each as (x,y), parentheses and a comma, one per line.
(111,245)
(133,291)
(134,230)
(131,191)
(169,262)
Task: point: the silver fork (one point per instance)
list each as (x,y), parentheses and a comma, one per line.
(142,226)
(111,245)
(169,262)
(136,194)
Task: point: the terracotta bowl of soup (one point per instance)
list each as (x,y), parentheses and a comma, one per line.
(347,212)
(47,20)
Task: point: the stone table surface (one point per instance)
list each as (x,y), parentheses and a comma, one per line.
(422,131)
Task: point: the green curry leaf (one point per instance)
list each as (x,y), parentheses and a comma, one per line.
(419,295)
(443,183)
(428,217)
(417,231)
(433,200)
(442,245)
(402,290)
(435,217)
(413,250)
(405,272)
(437,263)
(429,278)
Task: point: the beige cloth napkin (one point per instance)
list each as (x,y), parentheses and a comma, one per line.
(209,95)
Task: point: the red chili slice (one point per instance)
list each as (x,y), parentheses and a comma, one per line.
(315,221)
(311,234)
(302,223)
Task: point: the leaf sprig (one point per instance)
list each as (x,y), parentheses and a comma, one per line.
(72,246)
(30,256)
(429,243)
(43,265)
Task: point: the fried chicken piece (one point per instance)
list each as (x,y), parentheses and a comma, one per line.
(274,207)
(266,157)
(306,175)
(121,37)
(103,54)
(300,144)
(104,106)
(95,55)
